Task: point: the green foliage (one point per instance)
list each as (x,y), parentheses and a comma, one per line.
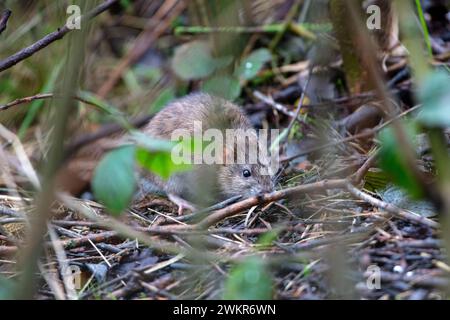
(131,81)
(114,180)
(249,280)
(423,23)
(193,61)
(6,288)
(392,161)
(164,97)
(266,239)
(252,64)
(115,177)
(125,3)
(223,86)
(375,180)
(37,104)
(159,162)
(435,96)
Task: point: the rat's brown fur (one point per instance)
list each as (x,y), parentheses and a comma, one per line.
(210,181)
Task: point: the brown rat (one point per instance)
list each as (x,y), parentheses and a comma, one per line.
(204,184)
(213,181)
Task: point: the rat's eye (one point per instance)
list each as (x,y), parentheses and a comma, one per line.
(246,173)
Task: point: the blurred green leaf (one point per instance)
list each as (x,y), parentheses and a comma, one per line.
(100,104)
(159,162)
(435,96)
(375,180)
(223,86)
(193,61)
(249,280)
(252,64)
(37,104)
(114,180)
(164,97)
(266,239)
(148,73)
(393,162)
(131,81)
(7,287)
(155,155)
(125,3)
(145,141)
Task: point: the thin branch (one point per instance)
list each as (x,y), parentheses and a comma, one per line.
(390,208)
(4,16)
(84,139)
(359,175)
(221,214)
(50,38)
(300,103)
(41,96)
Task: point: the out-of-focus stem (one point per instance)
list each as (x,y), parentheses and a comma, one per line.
(412,40)
(28,262)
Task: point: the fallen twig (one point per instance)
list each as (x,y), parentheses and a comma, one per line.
(78,242)
(266,198)
(396,211)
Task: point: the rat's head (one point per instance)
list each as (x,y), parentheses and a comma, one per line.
(246,171)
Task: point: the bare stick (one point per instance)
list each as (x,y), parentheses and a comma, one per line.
(221,214)
(394,210)
(359,175)
(4,16)
(41,96)
(50,38)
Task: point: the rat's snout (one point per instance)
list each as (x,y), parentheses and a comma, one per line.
(265,189)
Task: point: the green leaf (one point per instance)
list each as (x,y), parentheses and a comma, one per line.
(155,155)
(164,97)
(435,96)
(159,162)
(145,141)
(393,162)
(114,180)
(251,65)
(375,180)
(7,287)
(267,239)
(193,61)
(223,86)
(249,280)
(131,81)
(125,3)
